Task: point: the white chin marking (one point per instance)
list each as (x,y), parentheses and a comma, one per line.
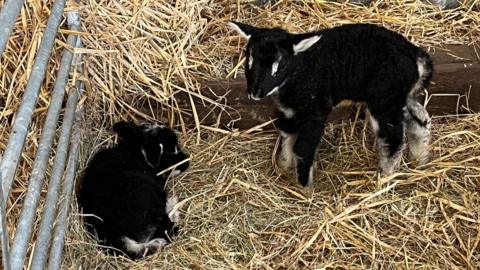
(255,97)
(132,245)
(274,90)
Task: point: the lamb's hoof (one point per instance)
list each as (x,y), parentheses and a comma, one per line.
(285,163)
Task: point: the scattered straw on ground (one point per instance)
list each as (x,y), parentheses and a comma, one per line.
(241,215)
(238,213)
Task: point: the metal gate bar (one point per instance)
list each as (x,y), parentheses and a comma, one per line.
(24,113)
(3,229)
(8,17)
(9,163)
(27,217)
(56,251)
(44,234)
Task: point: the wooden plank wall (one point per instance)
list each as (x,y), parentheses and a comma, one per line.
(455,88)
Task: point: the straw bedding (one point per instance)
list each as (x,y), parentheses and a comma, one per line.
(238,210)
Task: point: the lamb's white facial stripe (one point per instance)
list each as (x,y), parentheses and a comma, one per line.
(275,66)
(146,159)
(161,148)
(250,61)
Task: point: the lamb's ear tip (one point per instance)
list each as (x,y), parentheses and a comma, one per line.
(119,124)
(122,126)
(232,24)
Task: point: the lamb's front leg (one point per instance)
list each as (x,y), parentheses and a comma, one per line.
(288,133)
(309,136)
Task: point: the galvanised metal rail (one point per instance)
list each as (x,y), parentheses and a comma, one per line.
(15,259)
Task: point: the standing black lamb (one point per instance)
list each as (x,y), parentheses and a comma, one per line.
(122,197)
(308,74)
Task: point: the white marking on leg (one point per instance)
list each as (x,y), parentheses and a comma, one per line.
(250,61)
(142,247)
(388,164)
(286,159)
(132,245)
(310,177)
(155,243)
(418,134)
(173,213)
(418,142)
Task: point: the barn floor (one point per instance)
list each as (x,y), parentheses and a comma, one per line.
(238,213)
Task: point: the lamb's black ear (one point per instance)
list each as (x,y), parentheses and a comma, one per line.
(126,130)
(244,30)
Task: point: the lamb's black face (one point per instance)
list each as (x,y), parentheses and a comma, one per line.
(270,57)
(161,149)
(158,145)
(267,66)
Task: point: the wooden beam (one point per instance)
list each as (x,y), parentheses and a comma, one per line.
(455,88)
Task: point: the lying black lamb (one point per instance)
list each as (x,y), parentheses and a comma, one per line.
(122,197)
(308,74)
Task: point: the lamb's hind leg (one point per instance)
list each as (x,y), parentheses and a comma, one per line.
(418,131)
(389,130)
(172,213)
